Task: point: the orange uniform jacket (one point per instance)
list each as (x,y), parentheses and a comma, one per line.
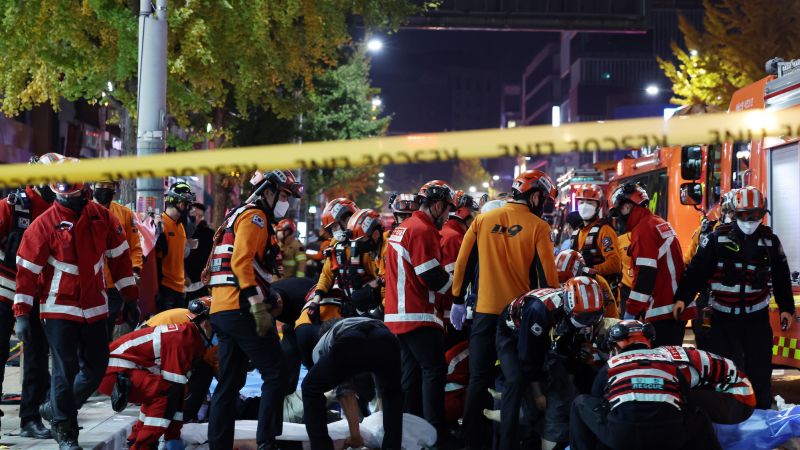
(515,252)
(607,243)
(625,259)
(125,218)
(171,252)
(252,232)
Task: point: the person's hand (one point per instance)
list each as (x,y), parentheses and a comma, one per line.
(262,318)
(354,441)
(312,307)
(541,402)
(678,309)
(193,243)
(786,320)
(458,313)
(22,329)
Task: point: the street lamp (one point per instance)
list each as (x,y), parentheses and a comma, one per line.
(312,209)
(374,45)
(496,177)
(379,189)
(652,90)
(473,189)
(485,185)
(376,102)
(693,52)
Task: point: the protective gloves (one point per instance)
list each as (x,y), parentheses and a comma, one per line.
(174,444)
(23,329)
(262,318)
(458,313)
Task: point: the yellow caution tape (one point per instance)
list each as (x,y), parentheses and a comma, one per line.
(525,141)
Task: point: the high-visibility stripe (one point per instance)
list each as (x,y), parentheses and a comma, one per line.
(617,400)
(154,421)
(426,266)
(174,377)
(446,287)
(223,249)
(451,387)
(7,283)
(118,250)
(22,298)
(647,372)
(401,279)
(450,267)
(736,310)
(464,354)
(125,282)
(638,297)
(55,308)
(648,262)
(7,293)
(71,269)
(658,311)
(35,268)
(412,317)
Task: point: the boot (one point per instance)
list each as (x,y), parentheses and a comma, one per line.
(66,434)
(46,411)
(35,429)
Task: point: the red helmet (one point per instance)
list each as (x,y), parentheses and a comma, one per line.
(436,190)
(583,301)
(48,158)
(282,180)
(569,263)
(63,188)
(287,225)
(630,332)
(632,192)
(363,223)
(465,206)
(750,204)
(336,210)
(727,203)
(534,180)
(589,191)
(403,203)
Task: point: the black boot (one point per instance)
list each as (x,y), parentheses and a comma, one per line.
(46,411)
(66,434)
(35,429)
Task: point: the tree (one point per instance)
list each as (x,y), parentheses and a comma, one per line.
(738,37)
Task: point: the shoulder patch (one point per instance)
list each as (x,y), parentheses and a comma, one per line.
(258,221)
(397,234)
(536,329)
(665,230)
(606,242)
(704,242)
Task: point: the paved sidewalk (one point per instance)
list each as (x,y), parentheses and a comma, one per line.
(101,427)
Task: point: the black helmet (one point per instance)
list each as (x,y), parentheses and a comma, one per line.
(199,309)
(179,192)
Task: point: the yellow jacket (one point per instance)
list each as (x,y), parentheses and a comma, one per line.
(125,217)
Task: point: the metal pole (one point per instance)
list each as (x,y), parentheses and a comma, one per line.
(152,98)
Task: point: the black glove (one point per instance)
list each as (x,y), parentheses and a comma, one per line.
(131,313)
(119,394)
(23,329)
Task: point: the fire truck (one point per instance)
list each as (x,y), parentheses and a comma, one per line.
(771,164)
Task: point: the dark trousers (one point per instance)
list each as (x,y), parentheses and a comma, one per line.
(624,293)
(35,370)
(669,332)
(307,338)
(746,339)
(482,356)
(591,428)
(80,358)
(197,389)
(424,374)
(238,344)
(115,304)
(169,299)
(291,358)
(516,382)
(375,350)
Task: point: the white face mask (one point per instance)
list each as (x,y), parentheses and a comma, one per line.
(340,235)
(747,227)
(586,210)
(280,209)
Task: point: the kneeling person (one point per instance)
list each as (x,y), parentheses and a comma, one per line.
(350,347)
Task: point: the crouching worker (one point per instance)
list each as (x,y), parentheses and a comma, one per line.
(151,366)
(347,348)
(658,398)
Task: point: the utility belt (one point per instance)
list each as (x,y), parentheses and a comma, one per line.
(740,309)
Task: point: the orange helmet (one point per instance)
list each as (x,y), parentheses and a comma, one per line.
(589,191)
(287,224)
(403,203)
(750,204)
(65,189)
(583,301)
(569,263)
(336,210)
(465,206)
(436,190)
(533,180)
(629,332)
(632,192)
(363,223)
(282,180)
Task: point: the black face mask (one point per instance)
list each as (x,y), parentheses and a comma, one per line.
(104,196)
(74,203)
(47,194)
(192,219)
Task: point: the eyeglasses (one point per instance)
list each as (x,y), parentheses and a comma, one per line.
(753,215)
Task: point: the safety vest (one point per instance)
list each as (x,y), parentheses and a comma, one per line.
(21,219)
(221,271)
(550,297)
(737,285)
(648,375)
(590,251)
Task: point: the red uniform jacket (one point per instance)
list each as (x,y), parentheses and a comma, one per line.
(657,262)
(452,235)
(8,274)
(414,248)
(455,392)
(60,259)
(166,350)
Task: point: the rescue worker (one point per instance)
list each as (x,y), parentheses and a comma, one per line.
(152,366)
(403,206)
(171,247)
(744,264)
(292,251)
(328,298)
(626,283)
(657,261)
(347,348)
(202,239)
(570,263)
(103,193)
(596,239)
(17,211)
(658,398)
(414,275)
(523,343)
(61,257)
(455,391)
(243,308)
(452,235)
(203,370)
(292,294)
(514,250)
(316,258)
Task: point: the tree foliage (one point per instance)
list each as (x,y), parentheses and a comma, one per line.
(738,37)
